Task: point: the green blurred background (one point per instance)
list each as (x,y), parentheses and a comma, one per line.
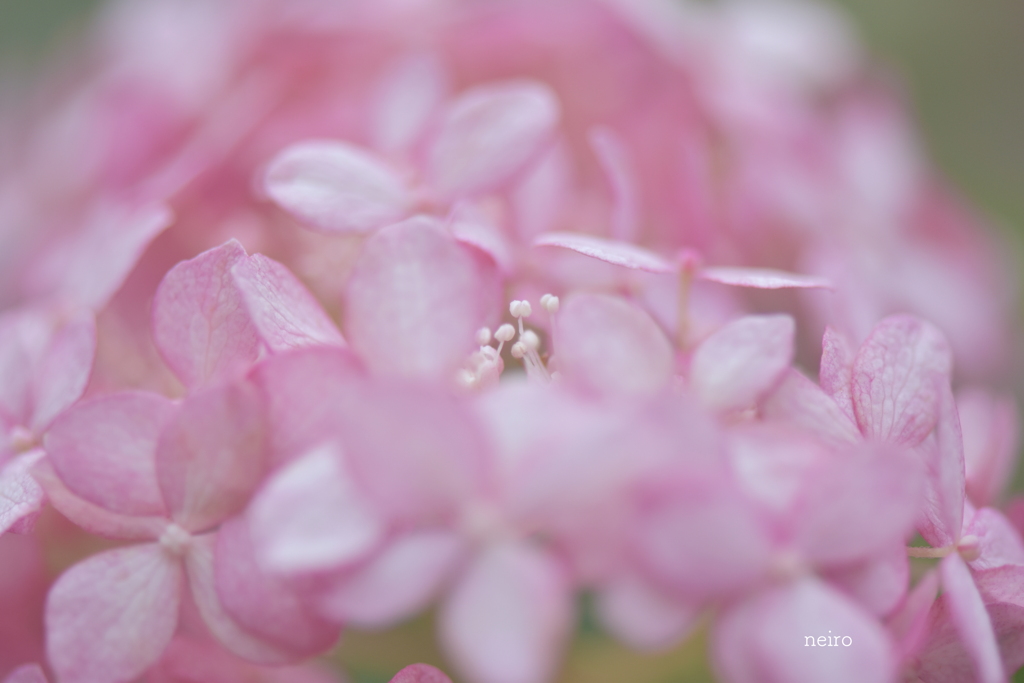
(962,63)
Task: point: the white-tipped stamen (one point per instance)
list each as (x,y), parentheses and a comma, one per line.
(483,336)
(518,350)
(530,339)
(550,303)
(175,540)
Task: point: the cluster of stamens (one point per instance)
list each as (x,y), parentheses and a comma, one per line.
(485,366)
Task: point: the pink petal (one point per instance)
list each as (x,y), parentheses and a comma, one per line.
(21,497)
(30,673)
(420,673)
(415,451)
(970,619)
(93,518)
(896,379)
(943,453)
(416,299)
(201,580)
(607,344)
(617,253)
(742,361)
(801,402)
(261,604)
(89,269)
(489,133)
(878,583)
(859,504)
(762,278)
(836,372)
(111,616)
(64,371)
(999,542)
(399,582)
(283,311)
(702,540)
(305,391)
(16,369)
(909,624)
(200,323)
(773,463)
(990,429)
(774,636)
(334,187)
(211,456)
(643,617)
(310,516)
(410,92)
(105,451)
(613,156)
(508,616)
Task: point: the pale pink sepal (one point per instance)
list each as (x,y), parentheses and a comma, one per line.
(285,314)
(762,278)
(742,361)
(310,516)
(610,251)
(643,617)
(21,496)
(334,186)
(416,299)
(703,540)
(104,450)
(201,580)
(29,673)
(861,503)
(971,620)
(397,583)
(200,323)
(1002,591)
(64,370)
(999,543)
(407,96)
(212,455)
(612,154)
(489,133)
(942,515)
(767,638)
(508,615)
(608,344)
(420,673)
(897,377)
(801,402)
(261,603)
(91,517)
(111,616)
(909,623)
(878,583)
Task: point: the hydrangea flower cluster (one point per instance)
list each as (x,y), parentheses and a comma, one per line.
(326,313)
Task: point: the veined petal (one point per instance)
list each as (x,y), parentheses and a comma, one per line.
(416,299)
(801,402)
(211,455)
(21,497)
(942,514)
(334,187)
(836,372)
(111,616)
(897,377)
(283,311)
(200,322)
(508,616)
(489,133)
(311,517)
(606,343)
(610,251)
(104,450)
(742,361)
